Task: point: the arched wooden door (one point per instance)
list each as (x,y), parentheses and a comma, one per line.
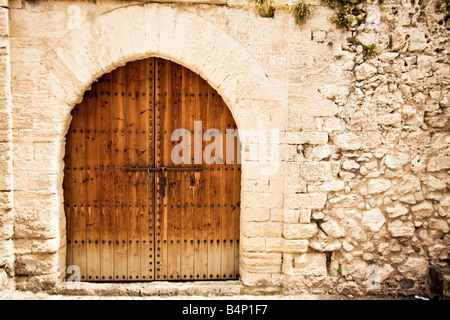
(134,212)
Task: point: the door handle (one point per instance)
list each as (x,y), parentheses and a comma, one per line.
(162,170)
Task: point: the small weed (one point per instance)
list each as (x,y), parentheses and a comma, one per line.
(348,14)
(370,50)
(443,6)
(265,8)
(301,10)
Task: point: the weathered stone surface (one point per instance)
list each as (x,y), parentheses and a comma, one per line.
(262,262)
(396,211)
(315,171)
(409,184)
(286,246)
(322,243)
(438,163)
(373,219)
(417,42)
(347,141)
(333,229)
(350,165)
(438,224)
(434,184)
(422,210)
(399,228)
(414,268)
(299,231)
(396,160)
(306,201)
(262,229)
(305,216)
(378,185)
(307,137)
(311,264)
(35,264)
(365,71)
(253,244)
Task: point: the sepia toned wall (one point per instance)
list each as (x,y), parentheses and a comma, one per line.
(355,198)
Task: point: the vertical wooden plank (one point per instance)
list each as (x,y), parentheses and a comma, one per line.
(175,197)
(105,136)
(132,156)
(215,236)
(202,209)
(162,139)
(145,180)
(227,176)
(92,187)
(120,178)
(188,191)
(79,196)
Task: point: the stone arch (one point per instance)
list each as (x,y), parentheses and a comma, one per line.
(170,32)
(115,38)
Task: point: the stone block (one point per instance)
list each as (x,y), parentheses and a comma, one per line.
(306,201)
(262,229)
(286,246)
(365,71)
(299,231)
(438,163)
(311,264)
(253,244)
(396,211)
(277,214)
(414,268)
(399,228)
(307,137)
(417,41)
(255,214)
(438,224)
(373,219)
(396,160)
(136,20)
(305,216)
(262,262)
(378,185)
(291,216)
(35,264)
(347,141)
(315,171)
(422,210)
(333,229)
(262,200)
(36,246)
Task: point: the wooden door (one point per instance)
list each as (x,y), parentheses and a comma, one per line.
(154,222)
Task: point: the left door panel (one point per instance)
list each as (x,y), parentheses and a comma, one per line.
(109,211)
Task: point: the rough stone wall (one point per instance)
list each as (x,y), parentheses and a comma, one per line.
(359,203)
(6,188)
(378,186)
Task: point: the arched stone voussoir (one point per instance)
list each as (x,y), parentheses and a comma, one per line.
(172,33)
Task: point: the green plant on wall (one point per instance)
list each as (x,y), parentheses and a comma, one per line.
(443,6)
(348,13)
(265,8)
(301,11)
(370,50)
